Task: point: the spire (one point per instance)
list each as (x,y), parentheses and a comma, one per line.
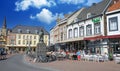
(4,23)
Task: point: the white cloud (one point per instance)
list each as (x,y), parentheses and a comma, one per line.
(25,4)
(72,1)
(45,16)
(32,17)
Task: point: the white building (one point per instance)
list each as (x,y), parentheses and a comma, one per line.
(88,28)
(113,26)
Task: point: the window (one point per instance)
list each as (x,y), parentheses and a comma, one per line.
(113,24)
(89,15)
(36,31)
(27,37)
(19,42)
(34,42)
(61,29)
(75,32)
(70,33)
(23,36)
(27,42)
(19,36)
(89,30)
(75,20)
(30,37)
(23,41)
(19,31)
(30,42)
(81,31)
(28,31)
(97,28)
(61,36)
(34,37)
(12,41)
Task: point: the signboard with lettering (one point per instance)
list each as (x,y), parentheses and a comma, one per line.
(96,20)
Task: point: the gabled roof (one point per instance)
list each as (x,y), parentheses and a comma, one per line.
(95,9)
(115,6)
(70,15)
(32,29)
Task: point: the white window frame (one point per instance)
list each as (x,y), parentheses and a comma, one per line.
(81,31)
(89,30)
(75,32)
(113,24)
(28,31)
(19,31)
(70,33)
(97,28)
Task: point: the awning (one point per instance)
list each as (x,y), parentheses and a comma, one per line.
(101,37)
(113,36)
(94,38)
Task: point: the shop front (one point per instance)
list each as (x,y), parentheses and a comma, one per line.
(114,44)
(74,46)
(97,45)
(104,44)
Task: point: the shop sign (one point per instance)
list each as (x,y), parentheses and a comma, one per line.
(96,20)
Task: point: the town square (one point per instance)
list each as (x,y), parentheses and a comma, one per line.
(60,35)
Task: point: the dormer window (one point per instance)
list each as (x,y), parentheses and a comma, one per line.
(28,31)
(19,31)
(75,20)
(89,15)
(36,31)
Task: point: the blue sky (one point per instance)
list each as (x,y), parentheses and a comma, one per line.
(38,12)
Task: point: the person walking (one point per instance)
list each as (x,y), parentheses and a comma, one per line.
(78,55)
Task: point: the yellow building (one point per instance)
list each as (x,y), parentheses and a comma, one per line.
(21,38)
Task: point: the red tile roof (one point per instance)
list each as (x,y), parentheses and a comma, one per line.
(114,6)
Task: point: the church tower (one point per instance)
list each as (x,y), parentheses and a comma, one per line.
(4,28)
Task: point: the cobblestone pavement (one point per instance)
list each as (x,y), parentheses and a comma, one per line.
(74,65)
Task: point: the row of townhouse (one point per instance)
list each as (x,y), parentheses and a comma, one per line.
(21,37)
(95,28)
